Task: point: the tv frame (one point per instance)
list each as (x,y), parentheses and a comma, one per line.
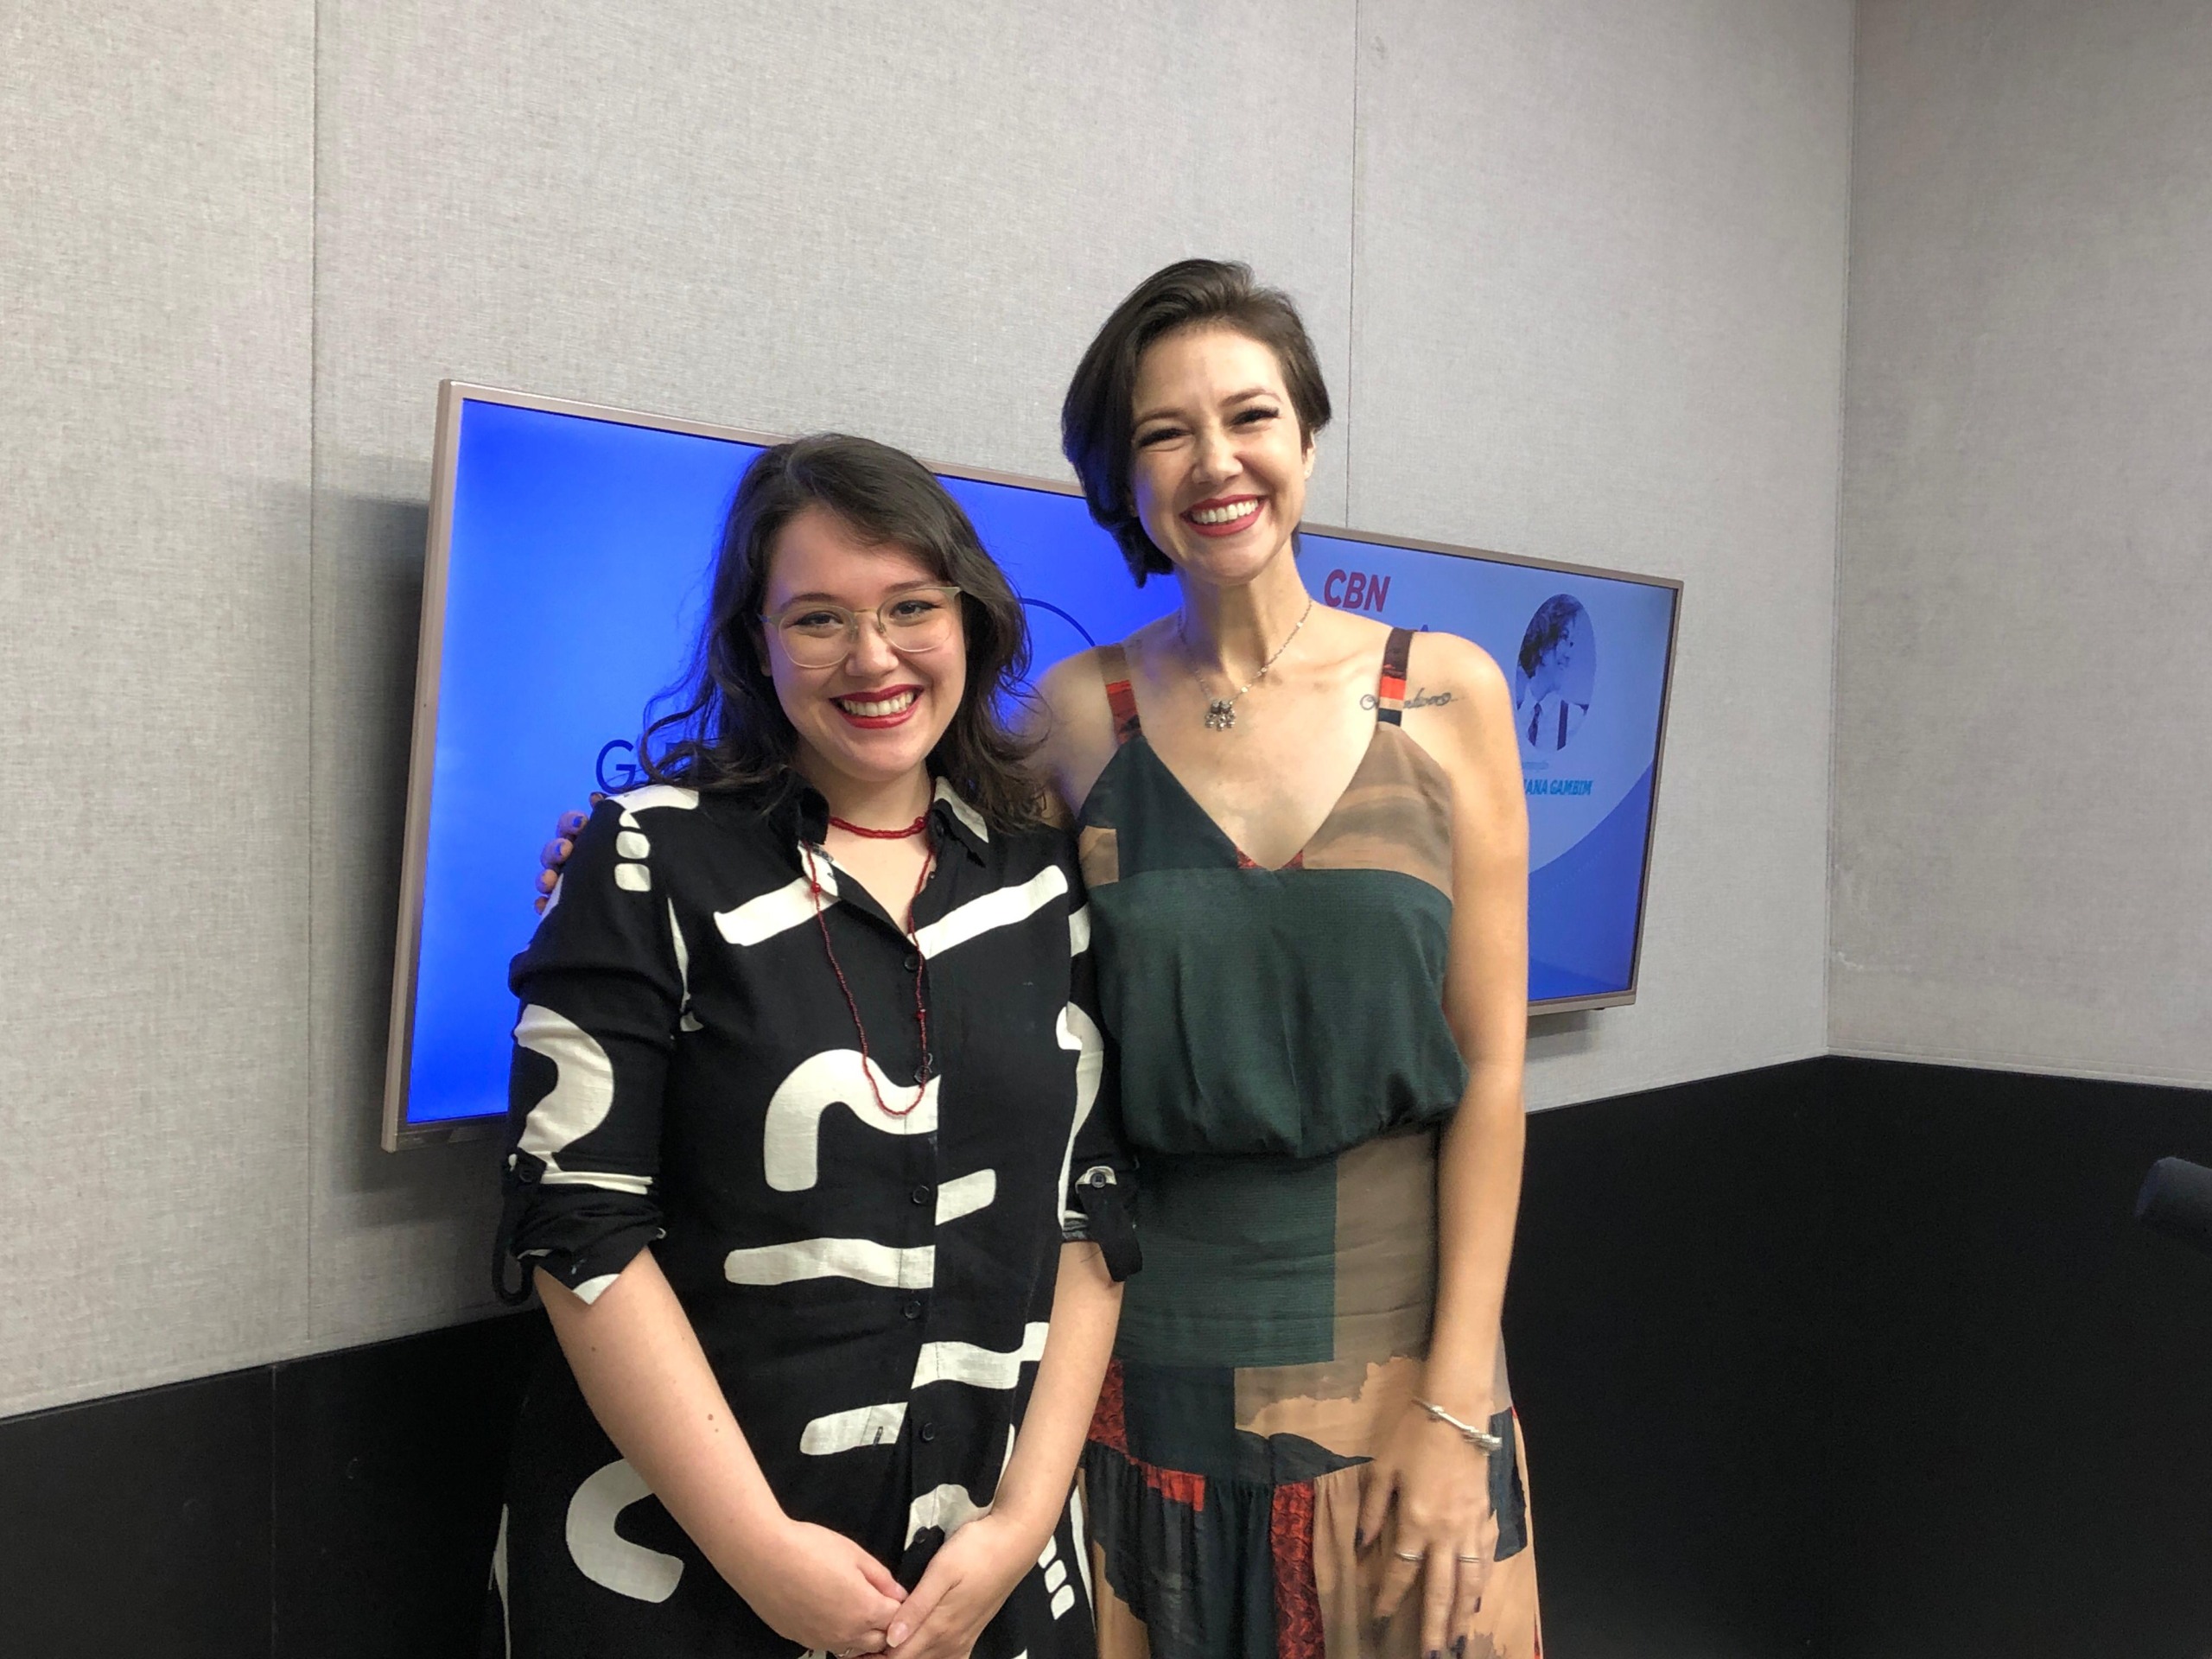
(422,746)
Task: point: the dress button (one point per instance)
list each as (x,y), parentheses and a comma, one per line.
(913,962)
(928,1431)
(920,1195)
(912,1310)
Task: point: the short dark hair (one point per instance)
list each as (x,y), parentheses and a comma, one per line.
(1098,418)
(1546,629)
(731,734)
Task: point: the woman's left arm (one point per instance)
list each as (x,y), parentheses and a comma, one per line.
(1439,1482)
(976,1570)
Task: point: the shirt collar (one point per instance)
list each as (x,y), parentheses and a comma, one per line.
(962,822)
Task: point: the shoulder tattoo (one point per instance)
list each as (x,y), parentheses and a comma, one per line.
(1421,698)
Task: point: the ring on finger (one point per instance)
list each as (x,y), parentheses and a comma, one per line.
(1470,1560)
(1415,1556)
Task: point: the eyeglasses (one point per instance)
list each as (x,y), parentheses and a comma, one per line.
(818,634)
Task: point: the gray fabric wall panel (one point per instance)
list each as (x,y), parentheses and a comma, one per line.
(903,220)
(1599,255)
(1600,291)
(156,184)
(2024,767)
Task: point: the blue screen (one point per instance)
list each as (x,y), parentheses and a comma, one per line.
(577,564)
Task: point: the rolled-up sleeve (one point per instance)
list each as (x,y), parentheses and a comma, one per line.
(1100,1203)
(602,993)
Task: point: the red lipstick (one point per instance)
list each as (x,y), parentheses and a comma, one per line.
(878,722)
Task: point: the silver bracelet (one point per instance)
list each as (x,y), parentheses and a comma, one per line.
(1481,1438)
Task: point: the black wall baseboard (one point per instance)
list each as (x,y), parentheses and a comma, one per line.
(1866,1360)
(1844,1358)
(1664,1360)
(341,1507)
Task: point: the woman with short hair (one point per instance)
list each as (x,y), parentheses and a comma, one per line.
(1305,845)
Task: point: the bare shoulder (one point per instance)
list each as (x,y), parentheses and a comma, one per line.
(1466,724)
(1072,725)
(1457,689)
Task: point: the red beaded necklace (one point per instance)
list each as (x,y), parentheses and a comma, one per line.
(907,833)
(921,1011)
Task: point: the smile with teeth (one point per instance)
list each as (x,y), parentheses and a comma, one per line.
(898,702)
(1229,513)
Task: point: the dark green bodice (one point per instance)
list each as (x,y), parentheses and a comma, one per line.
(1291,1012)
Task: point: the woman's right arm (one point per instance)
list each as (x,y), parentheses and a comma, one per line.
(640,1366)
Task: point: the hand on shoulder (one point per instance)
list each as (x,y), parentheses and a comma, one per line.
(1073,726)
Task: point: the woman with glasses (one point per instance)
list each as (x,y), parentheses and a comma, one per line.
(812,1154)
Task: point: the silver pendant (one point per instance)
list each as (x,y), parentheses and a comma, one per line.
(1221,715)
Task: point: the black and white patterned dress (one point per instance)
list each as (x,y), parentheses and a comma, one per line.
(872,1290)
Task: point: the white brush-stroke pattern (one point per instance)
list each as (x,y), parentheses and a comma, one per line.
(605,1180)
(1078,1033)
(581,1095)
(862,1259)
(603,1556)
(1078,930)
(1075,1539)
(1005,907)
(791,1141)
(980,1368)
(499,1584)
(650,796)
(948,1506)
(963,1195)
(788,906)
(685,1020)
(848,1430)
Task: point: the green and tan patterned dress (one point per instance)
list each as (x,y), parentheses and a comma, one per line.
(1285,1067)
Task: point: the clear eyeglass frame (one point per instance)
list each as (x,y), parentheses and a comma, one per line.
(913,637)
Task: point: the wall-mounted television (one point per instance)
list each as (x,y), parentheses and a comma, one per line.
(569,554)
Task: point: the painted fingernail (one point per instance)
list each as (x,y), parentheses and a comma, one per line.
(1359,1537)
(1459,1647)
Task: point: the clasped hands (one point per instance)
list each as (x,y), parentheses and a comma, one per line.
(819,1588)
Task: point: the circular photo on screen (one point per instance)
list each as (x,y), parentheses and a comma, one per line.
(1558,666)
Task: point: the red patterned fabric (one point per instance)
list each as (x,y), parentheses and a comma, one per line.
(1298,1597)
(1176,1485)
(1107,1426)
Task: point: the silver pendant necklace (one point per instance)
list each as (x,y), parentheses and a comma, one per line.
(1221,712)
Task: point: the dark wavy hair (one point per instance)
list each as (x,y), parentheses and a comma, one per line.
(1545,628)
(1098,416)
(730,734)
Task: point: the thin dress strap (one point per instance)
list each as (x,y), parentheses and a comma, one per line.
(1391,693)
(1114,662)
